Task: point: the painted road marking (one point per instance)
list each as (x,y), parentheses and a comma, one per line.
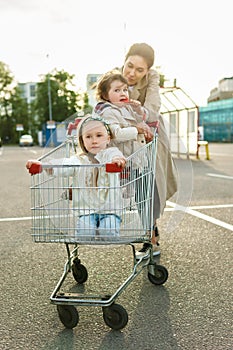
(221,176)
(174,206)
(218,206)
(205,217)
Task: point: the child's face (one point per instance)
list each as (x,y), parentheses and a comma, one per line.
(95,136)
(118,92)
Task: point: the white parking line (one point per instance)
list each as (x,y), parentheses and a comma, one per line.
(221,176)
(218,206)
(174,206)
(15,219)
(205,217)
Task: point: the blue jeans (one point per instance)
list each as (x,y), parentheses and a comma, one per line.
(102,224)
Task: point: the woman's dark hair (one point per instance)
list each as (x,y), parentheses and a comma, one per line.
(105,81)
(144,50)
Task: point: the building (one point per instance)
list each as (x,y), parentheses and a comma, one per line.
(28,91)
(216,119)
(180,114)
(223,91)
(91,82)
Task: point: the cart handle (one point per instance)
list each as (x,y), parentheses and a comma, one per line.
(113,168)
(154,125)
(35,168)
(73,125)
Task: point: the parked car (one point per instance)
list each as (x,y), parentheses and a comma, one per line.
(26,140)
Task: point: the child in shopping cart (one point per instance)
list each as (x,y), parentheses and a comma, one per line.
(95,194)
(127,117)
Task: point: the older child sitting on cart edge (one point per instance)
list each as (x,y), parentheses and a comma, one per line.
(96,211)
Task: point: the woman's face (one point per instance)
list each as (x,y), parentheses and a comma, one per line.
(135,68)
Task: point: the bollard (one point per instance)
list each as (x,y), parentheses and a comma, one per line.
(206,144)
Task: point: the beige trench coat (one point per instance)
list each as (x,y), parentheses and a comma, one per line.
(147,92)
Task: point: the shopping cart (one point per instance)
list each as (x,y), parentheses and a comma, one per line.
(58,190)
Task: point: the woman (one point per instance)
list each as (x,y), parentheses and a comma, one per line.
(143,82)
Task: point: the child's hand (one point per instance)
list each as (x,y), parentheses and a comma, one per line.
(31,162)
(137,107)
(34,166)
(119,161)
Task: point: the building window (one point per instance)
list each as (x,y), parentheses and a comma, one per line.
(172,123)
(191,121)
(32,90)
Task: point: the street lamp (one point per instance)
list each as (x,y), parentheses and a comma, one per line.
(50,109)
(50,100)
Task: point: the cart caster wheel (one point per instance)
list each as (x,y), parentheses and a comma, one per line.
(79,271)
(115,316)
(68,315)
(160,277)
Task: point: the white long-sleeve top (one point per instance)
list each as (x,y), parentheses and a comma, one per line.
(93,189)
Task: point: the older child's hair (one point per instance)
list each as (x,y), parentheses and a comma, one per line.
(105,81)
(144,50)
(88,118)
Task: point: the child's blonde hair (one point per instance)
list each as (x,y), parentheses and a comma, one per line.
(85,120)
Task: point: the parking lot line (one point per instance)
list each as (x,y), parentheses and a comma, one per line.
(173,206)
(205,217)
(221,176)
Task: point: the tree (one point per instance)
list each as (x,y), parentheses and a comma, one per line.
(86,107)
(13,108)
(65,102)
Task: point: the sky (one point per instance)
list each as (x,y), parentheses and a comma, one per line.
(192,39)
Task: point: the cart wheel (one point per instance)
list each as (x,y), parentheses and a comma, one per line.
(68,315)
(79,272)
(160,277)
(115,316)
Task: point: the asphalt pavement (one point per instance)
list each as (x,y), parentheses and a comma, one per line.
(191,311)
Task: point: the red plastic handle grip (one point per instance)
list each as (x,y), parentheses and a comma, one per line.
(113,168)
(73,126)
(35,168)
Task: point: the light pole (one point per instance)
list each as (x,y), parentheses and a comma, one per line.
(50,108)
(50,100)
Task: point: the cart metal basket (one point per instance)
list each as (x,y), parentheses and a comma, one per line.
(65,201)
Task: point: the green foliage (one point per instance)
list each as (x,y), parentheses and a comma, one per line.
(161,80)
(64,100)
(56,99)
(13,108)
(86,107)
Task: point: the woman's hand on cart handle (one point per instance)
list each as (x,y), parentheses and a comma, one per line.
(143,128)
(154,125)
(34,166)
